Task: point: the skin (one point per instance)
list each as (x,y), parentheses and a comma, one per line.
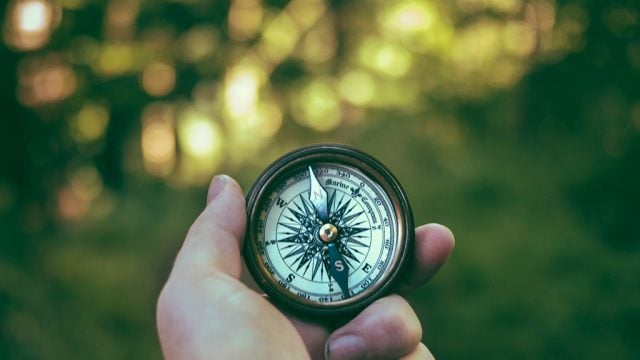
(206,310)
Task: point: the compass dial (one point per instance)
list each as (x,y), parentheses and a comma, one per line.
(328,229)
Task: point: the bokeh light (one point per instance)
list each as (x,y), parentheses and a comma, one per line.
(115,59)
(89,123)
(518,115)
(279,38)
(120,19)
(357,87)
(201,142)
(317,105)
(45,80)
(29,23)
(242,90)
(245,18)
(158,78)
(319,45)
(158,139)
(75,199)
(199,136)
(386,58)
(198,43)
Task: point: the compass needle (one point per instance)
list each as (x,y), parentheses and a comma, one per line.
(318,196)
(339,270)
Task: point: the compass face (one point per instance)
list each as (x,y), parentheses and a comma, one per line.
(328,229)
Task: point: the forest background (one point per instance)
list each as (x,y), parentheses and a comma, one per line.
(516,123)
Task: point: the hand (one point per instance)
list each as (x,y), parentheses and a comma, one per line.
(206,311)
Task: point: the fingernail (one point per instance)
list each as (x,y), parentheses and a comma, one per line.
(216,186)
(348,347)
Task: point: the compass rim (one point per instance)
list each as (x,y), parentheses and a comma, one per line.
(370,167)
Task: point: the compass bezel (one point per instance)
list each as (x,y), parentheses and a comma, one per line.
(301,158)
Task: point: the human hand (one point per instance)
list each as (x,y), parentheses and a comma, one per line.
(206,311)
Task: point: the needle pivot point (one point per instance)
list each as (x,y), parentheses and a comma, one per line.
(328,233)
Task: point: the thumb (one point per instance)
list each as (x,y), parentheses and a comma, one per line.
(214,240)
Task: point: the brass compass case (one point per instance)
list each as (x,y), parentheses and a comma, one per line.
(329,230)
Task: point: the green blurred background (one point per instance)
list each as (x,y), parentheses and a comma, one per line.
(516,123)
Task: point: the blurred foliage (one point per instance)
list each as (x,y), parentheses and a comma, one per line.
(516,123)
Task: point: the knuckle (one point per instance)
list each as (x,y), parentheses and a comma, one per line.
(402,325)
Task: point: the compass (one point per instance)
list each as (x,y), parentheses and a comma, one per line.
(329,230)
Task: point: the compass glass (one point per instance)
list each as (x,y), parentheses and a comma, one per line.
(325,233)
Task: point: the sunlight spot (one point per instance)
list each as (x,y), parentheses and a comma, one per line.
(519,38)
(33,16)
(158,78)
(244,20)
(199,43)
(320,44)
(158,139)
(242,85)
(120,19)
(279,38)
(70,205)
(317,106)
(45,80)
(387,58)
(263,122)
(90,123)
(407,17)
(75,199)
(86,182)
(357,87)
(199,135)
(115,59)
(29,23)
(202,143)
(477,45)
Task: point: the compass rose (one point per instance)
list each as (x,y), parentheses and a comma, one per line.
(301,229)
